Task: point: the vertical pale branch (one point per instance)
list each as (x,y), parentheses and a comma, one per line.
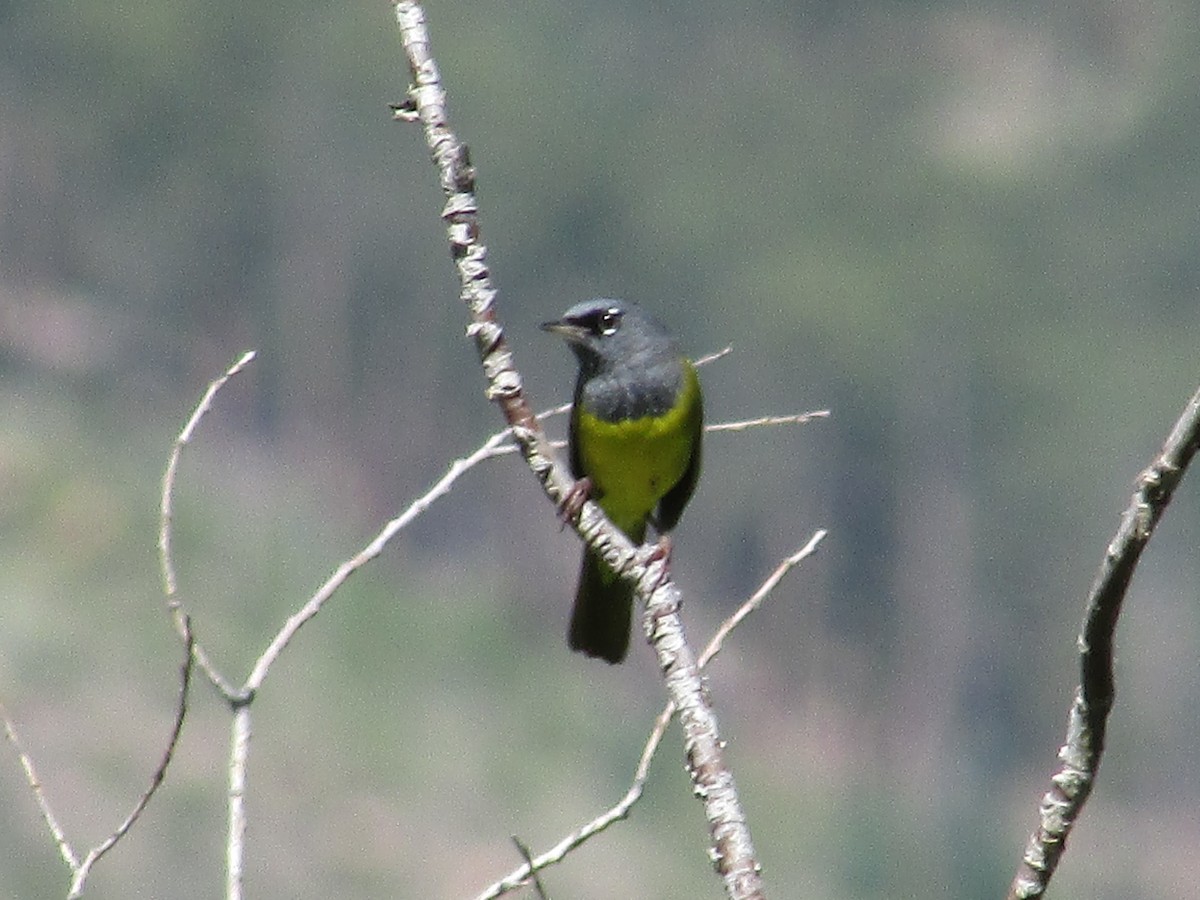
(732,851)
(235,845)
(1081,754)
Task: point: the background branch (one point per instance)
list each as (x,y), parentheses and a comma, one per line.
(1088,719)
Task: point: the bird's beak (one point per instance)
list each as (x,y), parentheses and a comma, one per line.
(567,330)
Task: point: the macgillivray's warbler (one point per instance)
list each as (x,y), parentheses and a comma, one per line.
(635,430)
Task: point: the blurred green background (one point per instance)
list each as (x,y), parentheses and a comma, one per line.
(970,229)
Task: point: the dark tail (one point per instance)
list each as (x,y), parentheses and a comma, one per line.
(601,616)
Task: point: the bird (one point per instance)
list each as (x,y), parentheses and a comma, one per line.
(634,439)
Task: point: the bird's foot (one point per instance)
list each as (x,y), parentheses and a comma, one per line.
(660,552)
(572,503)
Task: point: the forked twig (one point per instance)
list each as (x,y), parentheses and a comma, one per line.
(498,444)
(81,869)
(558,852)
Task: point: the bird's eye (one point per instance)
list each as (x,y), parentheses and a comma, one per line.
(609,321)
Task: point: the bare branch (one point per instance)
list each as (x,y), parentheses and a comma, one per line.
(239,754)
(800,419)
(523,849)
(711,428)
(712,781)
(764,591)
(240,698)
(493,446)
(621,810)
(156,779)
(166,517)
(185,437)
(39,794)
(1081,754)
(712,357)
(80,870)
(556,854)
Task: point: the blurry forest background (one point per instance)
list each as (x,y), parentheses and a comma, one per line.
(970,229)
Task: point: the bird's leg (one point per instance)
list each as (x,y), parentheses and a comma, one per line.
(661,551)
(572,503)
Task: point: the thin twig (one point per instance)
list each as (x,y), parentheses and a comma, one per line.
(523,849)
(764,591)
(799,419)
(39,794)
(166,519)
(711,428)
(156,779)
(239,752)
(490,447)
(81,870)
(185,437)
(712,357)
(621,810)
(1080,755)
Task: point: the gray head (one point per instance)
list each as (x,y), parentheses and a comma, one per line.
(629,366)
(605,334)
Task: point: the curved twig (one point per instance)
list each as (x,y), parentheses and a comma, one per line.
(167,517)
(1080,755)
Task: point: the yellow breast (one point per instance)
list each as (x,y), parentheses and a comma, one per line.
(633,463)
